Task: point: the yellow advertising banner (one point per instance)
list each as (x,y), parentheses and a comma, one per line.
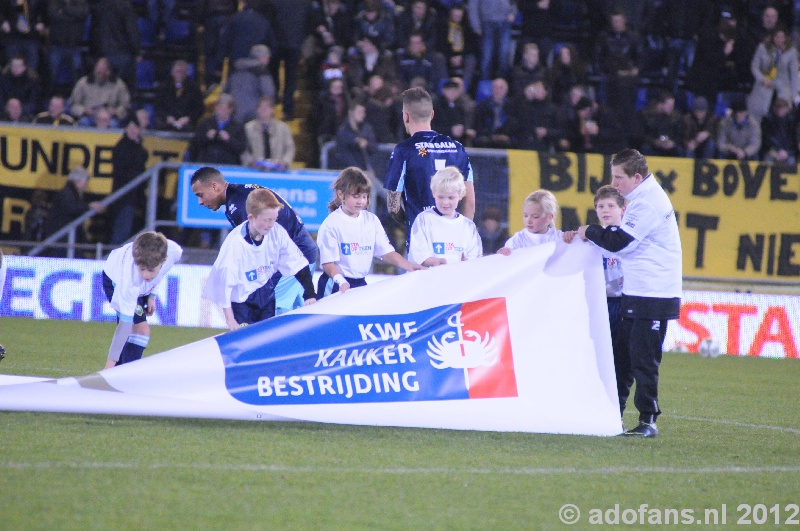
(738,220)
(42,156)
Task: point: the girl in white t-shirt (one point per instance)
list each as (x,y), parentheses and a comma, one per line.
(539,216)
(441,235)
(351,236)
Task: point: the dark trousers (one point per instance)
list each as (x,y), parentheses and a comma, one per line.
(291,60)
(645,339)
(324,280)
(259,306)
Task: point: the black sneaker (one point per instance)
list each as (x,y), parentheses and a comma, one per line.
(642,430)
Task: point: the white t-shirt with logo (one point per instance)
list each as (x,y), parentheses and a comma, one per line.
(526,238)
(434,235)
(242,266)
(351,242)
(128,283)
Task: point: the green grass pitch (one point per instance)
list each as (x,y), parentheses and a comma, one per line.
(730,434)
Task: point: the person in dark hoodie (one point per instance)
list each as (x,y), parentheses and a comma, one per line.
(128,159)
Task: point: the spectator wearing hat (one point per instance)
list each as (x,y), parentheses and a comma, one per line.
(128,159)
(250,81)
(700,130)
(451,114)
(739,136)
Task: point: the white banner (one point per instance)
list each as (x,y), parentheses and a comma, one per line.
(516,343)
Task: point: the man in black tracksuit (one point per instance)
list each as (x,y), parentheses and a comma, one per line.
(649,247)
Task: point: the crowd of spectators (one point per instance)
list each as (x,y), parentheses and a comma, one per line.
(717,78)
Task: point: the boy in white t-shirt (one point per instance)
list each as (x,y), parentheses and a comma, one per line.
(129,276)
(539,216)
(441,235)
(351,236)
(249,256)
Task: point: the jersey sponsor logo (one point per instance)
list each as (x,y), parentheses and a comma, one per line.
(435,145)
(453,352)
(447,247)
(259,272)
(354,248)
(422,151)
(611,262)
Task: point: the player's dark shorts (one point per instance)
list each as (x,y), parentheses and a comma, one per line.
(259,306)
(324,280)
(140,314)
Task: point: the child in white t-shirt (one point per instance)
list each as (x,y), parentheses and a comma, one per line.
(129,276)
(249,257)
(441,235)
(351,236)
(539,216)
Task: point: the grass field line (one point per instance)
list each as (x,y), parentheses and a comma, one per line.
(781,429)
(133,465)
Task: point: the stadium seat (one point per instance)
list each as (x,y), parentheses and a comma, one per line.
(177,31)
(641,99)
(147,32)
(484,90)
(145,74)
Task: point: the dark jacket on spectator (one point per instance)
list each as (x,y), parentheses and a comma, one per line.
(246,29)
(339,25)
(128,159)
(25,88)
(67,205)
(66,21)
(115,28)
(218,151)
(171,101)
